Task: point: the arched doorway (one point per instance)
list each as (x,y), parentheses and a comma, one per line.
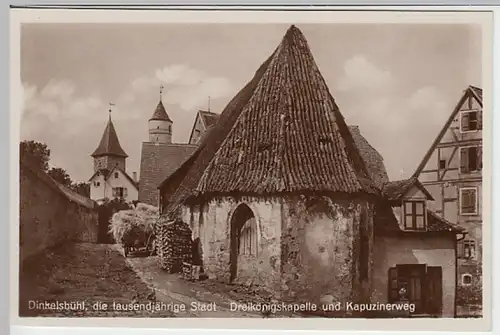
(242,218)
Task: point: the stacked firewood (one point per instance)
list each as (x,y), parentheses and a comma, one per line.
(174,245)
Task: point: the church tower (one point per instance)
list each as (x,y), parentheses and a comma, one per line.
(160,124)
(109,153)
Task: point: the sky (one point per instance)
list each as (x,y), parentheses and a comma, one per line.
(398,83)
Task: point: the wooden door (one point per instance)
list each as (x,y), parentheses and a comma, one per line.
(434,291)
(412,279)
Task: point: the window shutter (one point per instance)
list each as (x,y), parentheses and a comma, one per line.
(114,191)
(434,289)
(393,294)
(479,152)
(125,192)
(472,249)
(460,249)
(466,201)
(472,200)
(479,120)
(465,121)
(464,160)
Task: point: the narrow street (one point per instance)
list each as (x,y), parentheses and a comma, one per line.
(99,275)
(172,289)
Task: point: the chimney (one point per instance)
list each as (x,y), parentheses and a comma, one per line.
(134,176)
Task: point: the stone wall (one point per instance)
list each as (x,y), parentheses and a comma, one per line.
(306,251)
(211,222)
(48,217)
(321,251)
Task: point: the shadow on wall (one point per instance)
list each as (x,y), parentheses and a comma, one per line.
(47,215)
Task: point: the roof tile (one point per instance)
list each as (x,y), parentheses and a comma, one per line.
(160,113)
(282,132)
(158,161)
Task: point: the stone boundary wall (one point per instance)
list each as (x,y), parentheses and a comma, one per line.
(51,214)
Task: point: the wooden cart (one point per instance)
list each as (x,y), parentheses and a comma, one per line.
(137,241)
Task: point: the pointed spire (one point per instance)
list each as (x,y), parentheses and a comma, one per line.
(160,112)
(110,105)
(109,144)
(289,123)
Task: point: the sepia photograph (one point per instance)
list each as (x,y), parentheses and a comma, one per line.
(252,170)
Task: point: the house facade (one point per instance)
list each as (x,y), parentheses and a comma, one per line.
(110,179)
(415,250)
(283,194)
(452,172)
(113,184)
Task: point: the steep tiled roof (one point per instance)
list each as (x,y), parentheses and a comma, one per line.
(395,190)
(385,222)
(157,162)
(160,113)
(282,132)
(437,223)
(478,92)
(208,118)
(373,159)
(109,144)
(76,197)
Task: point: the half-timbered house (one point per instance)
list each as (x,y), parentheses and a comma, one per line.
(452,172)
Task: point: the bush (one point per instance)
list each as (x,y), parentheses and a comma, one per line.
(470,295)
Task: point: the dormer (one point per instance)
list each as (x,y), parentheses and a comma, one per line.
(409,199)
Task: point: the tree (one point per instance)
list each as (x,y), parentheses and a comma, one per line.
(38,153)
(82,188)
(60,175)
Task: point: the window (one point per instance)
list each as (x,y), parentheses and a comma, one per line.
(414,215)
(466,279)
(466,249)
(468,201)
(469,121)
(97,184)
(442,164)
(248,238)
(471,159)
(418,284)
(116,174)
(119,192)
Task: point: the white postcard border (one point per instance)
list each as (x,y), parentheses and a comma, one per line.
(21,16)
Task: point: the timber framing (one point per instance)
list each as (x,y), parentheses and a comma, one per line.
(469,92)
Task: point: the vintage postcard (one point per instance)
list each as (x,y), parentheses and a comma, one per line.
(205,169)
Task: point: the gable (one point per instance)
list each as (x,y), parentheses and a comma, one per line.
(197,130)
(415,192)
(117,178)
(452,133)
